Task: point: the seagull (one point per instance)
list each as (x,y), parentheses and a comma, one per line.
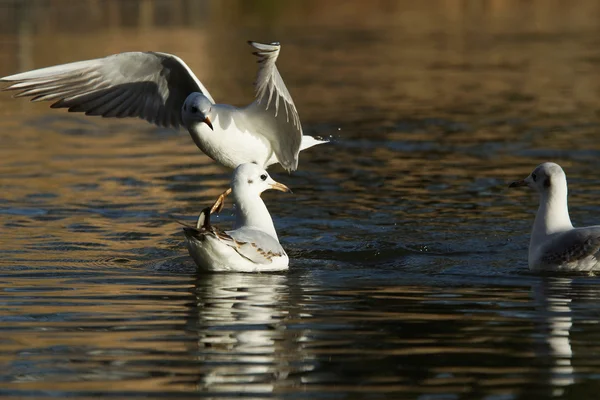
(161,89)
(555,244)
(253,245)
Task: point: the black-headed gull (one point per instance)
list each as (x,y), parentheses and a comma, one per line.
(161,89)
(252,245)
(555,244)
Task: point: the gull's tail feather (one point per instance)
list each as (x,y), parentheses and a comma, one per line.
(310,141)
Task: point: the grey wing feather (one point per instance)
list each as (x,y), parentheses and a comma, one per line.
(274,113)
(147,85)
(255,245)
(252,244)
(573,246)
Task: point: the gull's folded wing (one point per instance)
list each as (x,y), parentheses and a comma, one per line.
(575,245)
(255,245)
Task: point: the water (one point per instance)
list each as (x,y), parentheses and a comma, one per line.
(408,273)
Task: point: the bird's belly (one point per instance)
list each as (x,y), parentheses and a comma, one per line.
(230,147)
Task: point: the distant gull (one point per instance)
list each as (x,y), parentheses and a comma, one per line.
(555,245)
(253,245)
(161,89)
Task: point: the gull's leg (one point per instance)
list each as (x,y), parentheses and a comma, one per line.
(218,206)
(204,217)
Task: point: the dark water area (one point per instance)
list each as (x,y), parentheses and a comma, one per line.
(408,254)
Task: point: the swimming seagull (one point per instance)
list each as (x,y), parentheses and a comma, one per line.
(253,245)
(555,245)
(161,89)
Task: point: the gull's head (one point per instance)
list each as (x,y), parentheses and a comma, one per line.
(250,178)
(197,108)
(545,178)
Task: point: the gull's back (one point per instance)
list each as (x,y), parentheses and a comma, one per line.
(257,246)
(576,249)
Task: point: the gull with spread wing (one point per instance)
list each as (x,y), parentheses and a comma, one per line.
(253,245)
(555,245)
(162,89)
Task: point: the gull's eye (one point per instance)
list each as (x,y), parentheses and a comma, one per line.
(194,109)
(263,177)
(533,177)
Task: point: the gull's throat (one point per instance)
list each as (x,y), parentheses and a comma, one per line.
(553,214)
(252,212)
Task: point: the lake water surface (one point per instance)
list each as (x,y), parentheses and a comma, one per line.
(408,275)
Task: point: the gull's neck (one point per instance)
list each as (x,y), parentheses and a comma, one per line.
(252,212)
(553,214)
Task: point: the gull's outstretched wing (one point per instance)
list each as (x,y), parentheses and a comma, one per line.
(273,113)
(148,85)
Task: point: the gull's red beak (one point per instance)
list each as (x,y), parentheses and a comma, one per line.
(207,122)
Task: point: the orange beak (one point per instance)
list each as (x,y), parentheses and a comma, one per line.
(281,187)
(207,122)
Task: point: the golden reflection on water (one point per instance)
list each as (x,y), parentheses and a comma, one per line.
(444,55)
(240,333)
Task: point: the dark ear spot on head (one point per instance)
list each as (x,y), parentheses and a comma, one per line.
(547,182)
(250,181)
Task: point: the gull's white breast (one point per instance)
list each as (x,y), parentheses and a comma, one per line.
(229,145)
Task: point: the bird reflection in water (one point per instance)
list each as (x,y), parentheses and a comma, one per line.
(243,343)
(553,297)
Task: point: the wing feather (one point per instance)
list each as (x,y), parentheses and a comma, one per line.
(255,245)
(575,245)
(284,132)
(147,85)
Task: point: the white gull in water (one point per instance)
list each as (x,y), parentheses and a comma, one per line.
(555,244)
(253,245)
(161,89)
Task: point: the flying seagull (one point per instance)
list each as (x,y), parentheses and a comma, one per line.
(161,89)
